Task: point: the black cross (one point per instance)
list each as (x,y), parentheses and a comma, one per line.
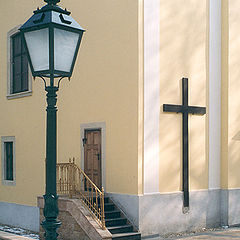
(185,110)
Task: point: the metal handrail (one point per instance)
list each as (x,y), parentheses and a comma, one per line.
(73,181)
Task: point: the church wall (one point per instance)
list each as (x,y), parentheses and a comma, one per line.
(230,95)
(233,96)
(108,70)
(132,58)
(104,88)
(190,46)
(230,104)
(224,95)
(183,53)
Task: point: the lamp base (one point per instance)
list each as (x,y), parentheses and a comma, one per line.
(50,211)
(50,228)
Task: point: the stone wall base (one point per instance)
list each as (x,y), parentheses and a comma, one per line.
(27,217)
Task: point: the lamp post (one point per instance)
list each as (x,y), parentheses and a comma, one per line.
(52,39)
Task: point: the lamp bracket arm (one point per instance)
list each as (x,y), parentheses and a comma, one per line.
(45,84)
(60,81)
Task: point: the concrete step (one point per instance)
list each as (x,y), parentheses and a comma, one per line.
(120,229)
(109,207)
(112,214)
(115,222)
(124,236)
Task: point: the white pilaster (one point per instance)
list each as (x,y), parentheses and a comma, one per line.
(214,93)
(151,95)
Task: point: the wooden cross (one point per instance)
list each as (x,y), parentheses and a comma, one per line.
(185,110)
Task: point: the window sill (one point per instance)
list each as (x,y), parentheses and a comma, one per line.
(19,95)
(8,183)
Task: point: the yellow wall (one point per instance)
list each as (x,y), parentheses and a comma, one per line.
(233,95)
(140,95)
(224,99)
(230,94)
(183,53)
(103,88)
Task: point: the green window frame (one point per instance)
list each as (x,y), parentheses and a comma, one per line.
(8,161)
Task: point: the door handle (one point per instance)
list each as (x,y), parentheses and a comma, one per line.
(98,154)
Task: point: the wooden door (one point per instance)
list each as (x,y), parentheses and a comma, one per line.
(92,156)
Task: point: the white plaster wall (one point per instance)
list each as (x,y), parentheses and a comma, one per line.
(151,95)
(166,210)
(214,93)
(23,216)
(233,207)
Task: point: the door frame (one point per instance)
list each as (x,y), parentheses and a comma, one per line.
(95,126)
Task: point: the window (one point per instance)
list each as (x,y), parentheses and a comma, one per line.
(8,160)
(19,64)
(19,75)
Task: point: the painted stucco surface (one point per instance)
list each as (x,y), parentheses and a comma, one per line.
(183,53)
(233,96)
(103,88)
(224,95)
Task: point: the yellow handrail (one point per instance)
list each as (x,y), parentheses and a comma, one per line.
(73,181)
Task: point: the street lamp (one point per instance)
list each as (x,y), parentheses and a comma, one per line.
(52,39)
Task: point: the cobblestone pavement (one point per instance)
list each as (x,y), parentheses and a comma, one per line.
(18,231)
(217,234)
(226,234)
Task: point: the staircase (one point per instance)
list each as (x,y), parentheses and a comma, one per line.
(117,224)
(72,181)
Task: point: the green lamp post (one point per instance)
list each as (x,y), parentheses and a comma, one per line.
(52,39)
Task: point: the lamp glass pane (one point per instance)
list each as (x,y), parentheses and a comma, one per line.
(65,44)
(38,47)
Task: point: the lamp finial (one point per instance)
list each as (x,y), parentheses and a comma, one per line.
(52,2)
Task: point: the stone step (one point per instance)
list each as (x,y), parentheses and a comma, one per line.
(115,222)
(124,236)
(109,207)
(120,229)
(112,214)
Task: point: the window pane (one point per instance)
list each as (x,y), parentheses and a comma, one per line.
(17,86)
(23,48)
(8,160)
(24,81)
(19,66)
(16,40)
(24,63)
